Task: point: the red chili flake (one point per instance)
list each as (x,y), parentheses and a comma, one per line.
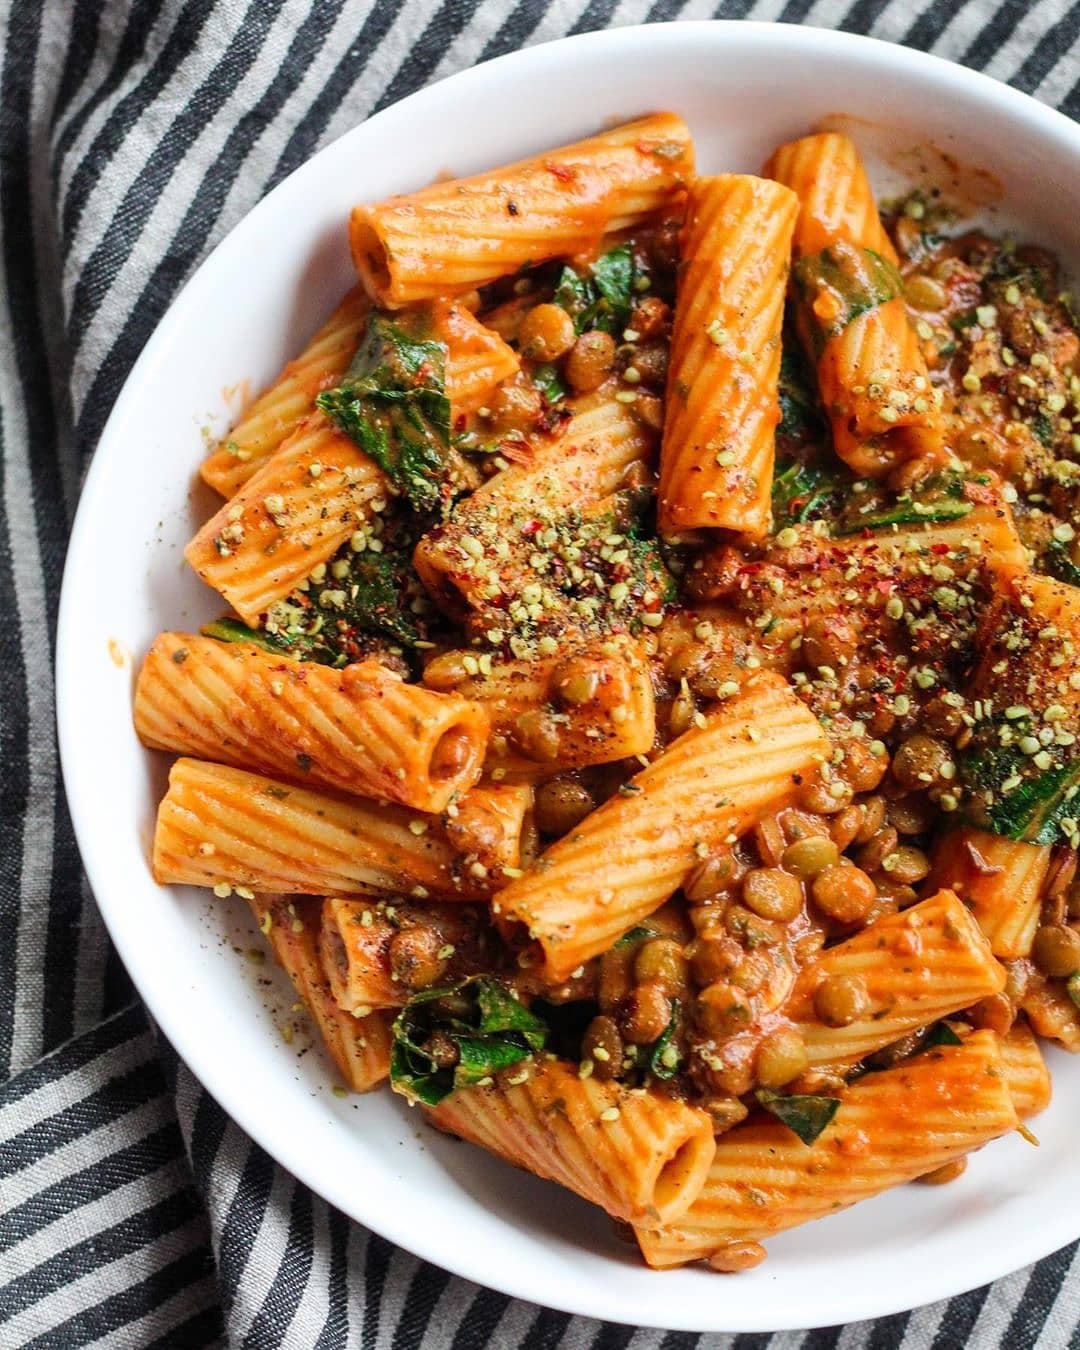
(979,492)
(978,862)
(516,449)
(460,421)
(562,172)
(530,528)
(939,549)
(884,587)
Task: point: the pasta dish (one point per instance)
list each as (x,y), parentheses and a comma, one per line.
(643,717)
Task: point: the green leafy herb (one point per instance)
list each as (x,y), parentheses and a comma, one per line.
(455,1037)
(635,935)
(807,1116)
(1043,427)
(662,1058)
(603,296)
(232,630)
(1072,987)
(805,491)
(936,500)
(1032,809)
(800,419)
(546,379)
(392,403)
(939,1034)
(858,279)
(1056,561)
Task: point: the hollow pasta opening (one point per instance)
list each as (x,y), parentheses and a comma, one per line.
(683,1175)
(369,254)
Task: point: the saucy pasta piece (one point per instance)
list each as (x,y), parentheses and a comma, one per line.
(872,375)
(1025,1068)
(630,855)
(1000,881)
(224,828)
(716,464)
(590,705)
(453,236)
(293,514)
(891,1127)
(908,970)
(360,1048)
(361,729)
(641,1157)
(279,410)
(377,954)
(520,528)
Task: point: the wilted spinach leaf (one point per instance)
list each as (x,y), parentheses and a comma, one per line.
(805,1115)
(393,404)
(454,1037)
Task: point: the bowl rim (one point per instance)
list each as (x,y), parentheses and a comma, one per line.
(1016,1249)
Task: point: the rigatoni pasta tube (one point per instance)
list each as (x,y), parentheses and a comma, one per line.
(1025,1068)
(891,1127)
(641,1156)
(477,361)
(455,235)
(482,553)
(626,858)
(219,826)
(360,1047)
(716,463)
(296,512)
(916,967)
(280,409)
(592,705)
(850,310)
(1000,880)
(477,358)
(377,953)
(836,200)
(361,730)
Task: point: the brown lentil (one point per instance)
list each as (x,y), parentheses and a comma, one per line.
(602,1034)
(773,893)
(589,360)
(807,857)
(663,962)
(781,1058)
(841,999)
(721,1009)
(1056,950)
(843,892)
(562,803)
(735,1256)
(646,1013)
(546,333)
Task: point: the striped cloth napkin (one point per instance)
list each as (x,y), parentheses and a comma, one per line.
(133,135)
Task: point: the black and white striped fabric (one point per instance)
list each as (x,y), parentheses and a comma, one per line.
(133,135)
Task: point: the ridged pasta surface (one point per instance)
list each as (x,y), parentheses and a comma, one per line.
(362,729)
(716,464)
(280,409)
(297,511)
(637,1155)
(360,1047)
(222,825)
(917,966)
(891,1127)
(453,236)
(631,854)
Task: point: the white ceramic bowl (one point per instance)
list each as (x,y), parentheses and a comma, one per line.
(743,88)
